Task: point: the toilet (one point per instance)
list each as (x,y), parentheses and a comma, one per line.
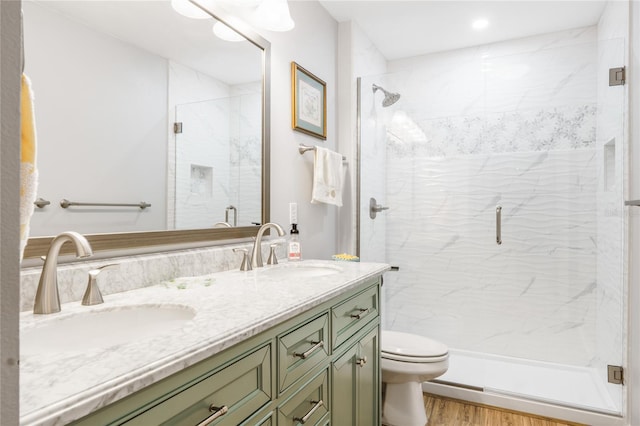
(407,360)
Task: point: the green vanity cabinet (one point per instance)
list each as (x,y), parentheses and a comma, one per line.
(320,367)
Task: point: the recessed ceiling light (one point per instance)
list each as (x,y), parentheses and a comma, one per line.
(480,24)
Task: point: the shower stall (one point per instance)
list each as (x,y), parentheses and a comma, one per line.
(216,162)
(503,171)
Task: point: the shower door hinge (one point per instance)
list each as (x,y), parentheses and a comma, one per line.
(615,374)
(177,127)
(617,76)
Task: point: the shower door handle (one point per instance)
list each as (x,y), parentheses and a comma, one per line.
(498,225)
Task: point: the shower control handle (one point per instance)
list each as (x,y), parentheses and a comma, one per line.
(375,208)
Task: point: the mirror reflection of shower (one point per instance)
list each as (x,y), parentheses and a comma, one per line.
(389,98)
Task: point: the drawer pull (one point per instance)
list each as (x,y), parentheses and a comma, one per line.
(217,413)
(361,361)
(361,312)
(315,347)
(306,417)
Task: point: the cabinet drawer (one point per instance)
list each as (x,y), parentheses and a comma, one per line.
(309,405)
(351,315)
(302,349)
(242,387)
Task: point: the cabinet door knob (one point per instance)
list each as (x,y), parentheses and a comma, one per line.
(217,413)
(303,420)
(361,361)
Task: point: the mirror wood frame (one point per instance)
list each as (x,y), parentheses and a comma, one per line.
(153,241)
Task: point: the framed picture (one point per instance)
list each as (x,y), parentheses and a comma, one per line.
(308,102)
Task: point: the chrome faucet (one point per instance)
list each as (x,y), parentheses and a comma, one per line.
(256,253)
(47,297)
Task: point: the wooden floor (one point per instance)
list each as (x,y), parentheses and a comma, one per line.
(443,411)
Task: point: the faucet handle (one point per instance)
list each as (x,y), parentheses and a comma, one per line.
(245,265)
(92,295)
(273,259)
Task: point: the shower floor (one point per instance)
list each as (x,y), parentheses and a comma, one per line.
(565,385)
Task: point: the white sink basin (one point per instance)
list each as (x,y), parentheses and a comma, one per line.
(298,270)
(102,328)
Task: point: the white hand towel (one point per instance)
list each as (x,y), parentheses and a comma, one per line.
(327,177)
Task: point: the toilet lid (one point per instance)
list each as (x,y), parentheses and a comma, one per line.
(411,345)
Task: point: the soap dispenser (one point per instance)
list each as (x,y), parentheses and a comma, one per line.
(293,252)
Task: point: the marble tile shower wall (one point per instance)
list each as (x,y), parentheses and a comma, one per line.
(246,153)
(531,297)
(222,138)
(221,141)
(512,124)
(188,92)
(203,168)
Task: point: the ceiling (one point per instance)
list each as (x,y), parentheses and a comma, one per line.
(398,28)
(401,29)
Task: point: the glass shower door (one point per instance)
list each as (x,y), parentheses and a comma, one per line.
(217,166)
(530,144)
(202,164)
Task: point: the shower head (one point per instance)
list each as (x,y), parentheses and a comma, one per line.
(389,98)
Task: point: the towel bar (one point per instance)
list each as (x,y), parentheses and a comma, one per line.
(304,148)
(64,203)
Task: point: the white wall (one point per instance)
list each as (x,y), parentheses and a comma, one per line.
(312,44)
(126,126)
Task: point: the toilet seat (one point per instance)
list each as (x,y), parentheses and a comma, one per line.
(405,347)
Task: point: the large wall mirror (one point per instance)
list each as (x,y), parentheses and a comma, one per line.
(136,103)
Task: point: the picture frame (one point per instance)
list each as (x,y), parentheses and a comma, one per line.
(308,102)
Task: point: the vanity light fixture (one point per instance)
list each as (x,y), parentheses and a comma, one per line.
(273,15)
(480,24)
(225,33)
(188,9)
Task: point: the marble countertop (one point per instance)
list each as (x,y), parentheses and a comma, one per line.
(229,307)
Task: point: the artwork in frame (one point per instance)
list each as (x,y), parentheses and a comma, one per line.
(309,102)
